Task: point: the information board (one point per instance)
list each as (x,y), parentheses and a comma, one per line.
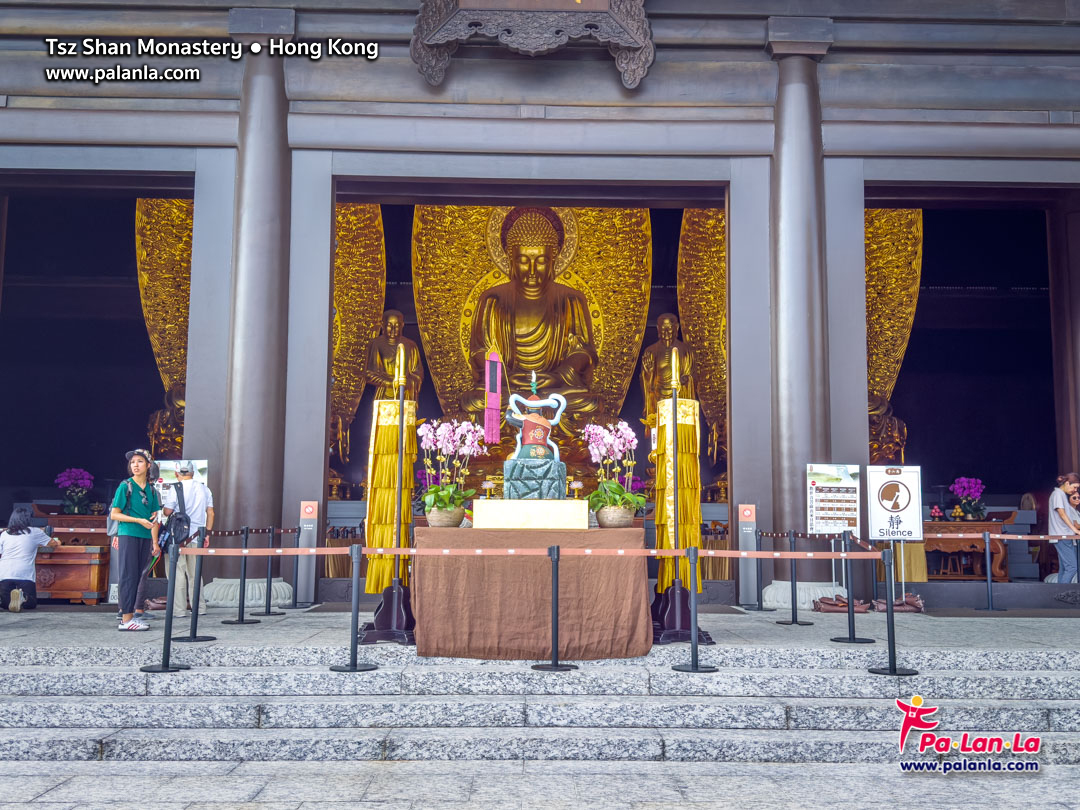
(894,495)
(832,498)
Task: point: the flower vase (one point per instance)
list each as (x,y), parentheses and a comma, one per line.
(615,517)
(446,518)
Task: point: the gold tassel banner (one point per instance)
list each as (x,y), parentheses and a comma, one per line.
(382,490)
(688,446)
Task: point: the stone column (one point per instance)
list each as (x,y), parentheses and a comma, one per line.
(255,400)
(311,293)
(210,309)
(1064,233)
(750,472)
(800,347)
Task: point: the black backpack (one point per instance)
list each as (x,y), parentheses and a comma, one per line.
(178,525)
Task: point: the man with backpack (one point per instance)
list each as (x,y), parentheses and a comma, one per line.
(135,509)
(194,500)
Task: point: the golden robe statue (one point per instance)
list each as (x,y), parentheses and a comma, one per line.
(165,430)
(656,367)
(381,356)
(534,322)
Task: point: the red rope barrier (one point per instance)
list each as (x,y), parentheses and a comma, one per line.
(529,552)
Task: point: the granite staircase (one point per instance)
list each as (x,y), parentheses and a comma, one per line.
(767,704)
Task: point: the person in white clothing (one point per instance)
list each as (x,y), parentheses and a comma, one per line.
(19,546)
(1061,522)
(199,507)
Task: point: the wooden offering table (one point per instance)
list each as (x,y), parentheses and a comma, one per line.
(500,607)
(965,557)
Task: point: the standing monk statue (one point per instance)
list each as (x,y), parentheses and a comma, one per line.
(381,355)
(656,366)
(534,322)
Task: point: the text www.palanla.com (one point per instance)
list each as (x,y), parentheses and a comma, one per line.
(964,765)
(118,73)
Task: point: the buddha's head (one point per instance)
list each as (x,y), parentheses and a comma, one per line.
(532,239)
(393,323)
(667,327)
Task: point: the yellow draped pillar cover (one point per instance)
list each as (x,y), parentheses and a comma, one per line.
(382,488)
(689,430)
(912,556)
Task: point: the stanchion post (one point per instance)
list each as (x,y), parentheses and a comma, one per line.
(268,610)
(794,590)
(873,574)
(295,605)
(988,562)
(356,553)
(693,666)
(166,643)
(193,629)
(243,585)
(760,606)
(890,623)
(554,666)
(851,638)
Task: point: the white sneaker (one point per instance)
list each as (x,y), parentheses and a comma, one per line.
(133,625)
(16,600)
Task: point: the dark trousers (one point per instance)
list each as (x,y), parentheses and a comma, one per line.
(28,588)
(132,556)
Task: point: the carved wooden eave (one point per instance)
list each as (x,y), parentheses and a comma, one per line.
(524,28)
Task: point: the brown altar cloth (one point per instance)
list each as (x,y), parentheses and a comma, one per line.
(500,607)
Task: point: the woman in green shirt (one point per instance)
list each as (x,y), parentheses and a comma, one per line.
(135,507)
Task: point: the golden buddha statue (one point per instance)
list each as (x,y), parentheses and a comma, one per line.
(165,430)
(656,366)
(382,353)
(534,322)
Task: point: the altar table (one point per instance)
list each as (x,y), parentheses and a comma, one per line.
(964,554)
(500,607)
(999,557)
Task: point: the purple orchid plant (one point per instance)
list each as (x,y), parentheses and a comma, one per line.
(76,483)
(969,491)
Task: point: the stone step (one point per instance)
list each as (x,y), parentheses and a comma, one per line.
(854,657)
(518,679)
(699,745)
(409,711)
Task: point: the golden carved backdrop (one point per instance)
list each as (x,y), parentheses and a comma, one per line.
(607,256)
(702,280)
(359,296)
(163,232)
(893,271)
(163,256)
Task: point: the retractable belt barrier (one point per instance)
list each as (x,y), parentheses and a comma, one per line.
(528,552)
(357,552)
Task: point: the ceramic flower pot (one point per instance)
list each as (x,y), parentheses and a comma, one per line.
(615,517)
(446,518)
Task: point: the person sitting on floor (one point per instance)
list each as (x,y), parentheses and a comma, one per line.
(19,546)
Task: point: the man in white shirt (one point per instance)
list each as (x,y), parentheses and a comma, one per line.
(199,507)
(19,546)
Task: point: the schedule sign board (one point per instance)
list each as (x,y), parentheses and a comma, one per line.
(832,498)
(895,503)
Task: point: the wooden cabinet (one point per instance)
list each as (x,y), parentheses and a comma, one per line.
(76,572)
